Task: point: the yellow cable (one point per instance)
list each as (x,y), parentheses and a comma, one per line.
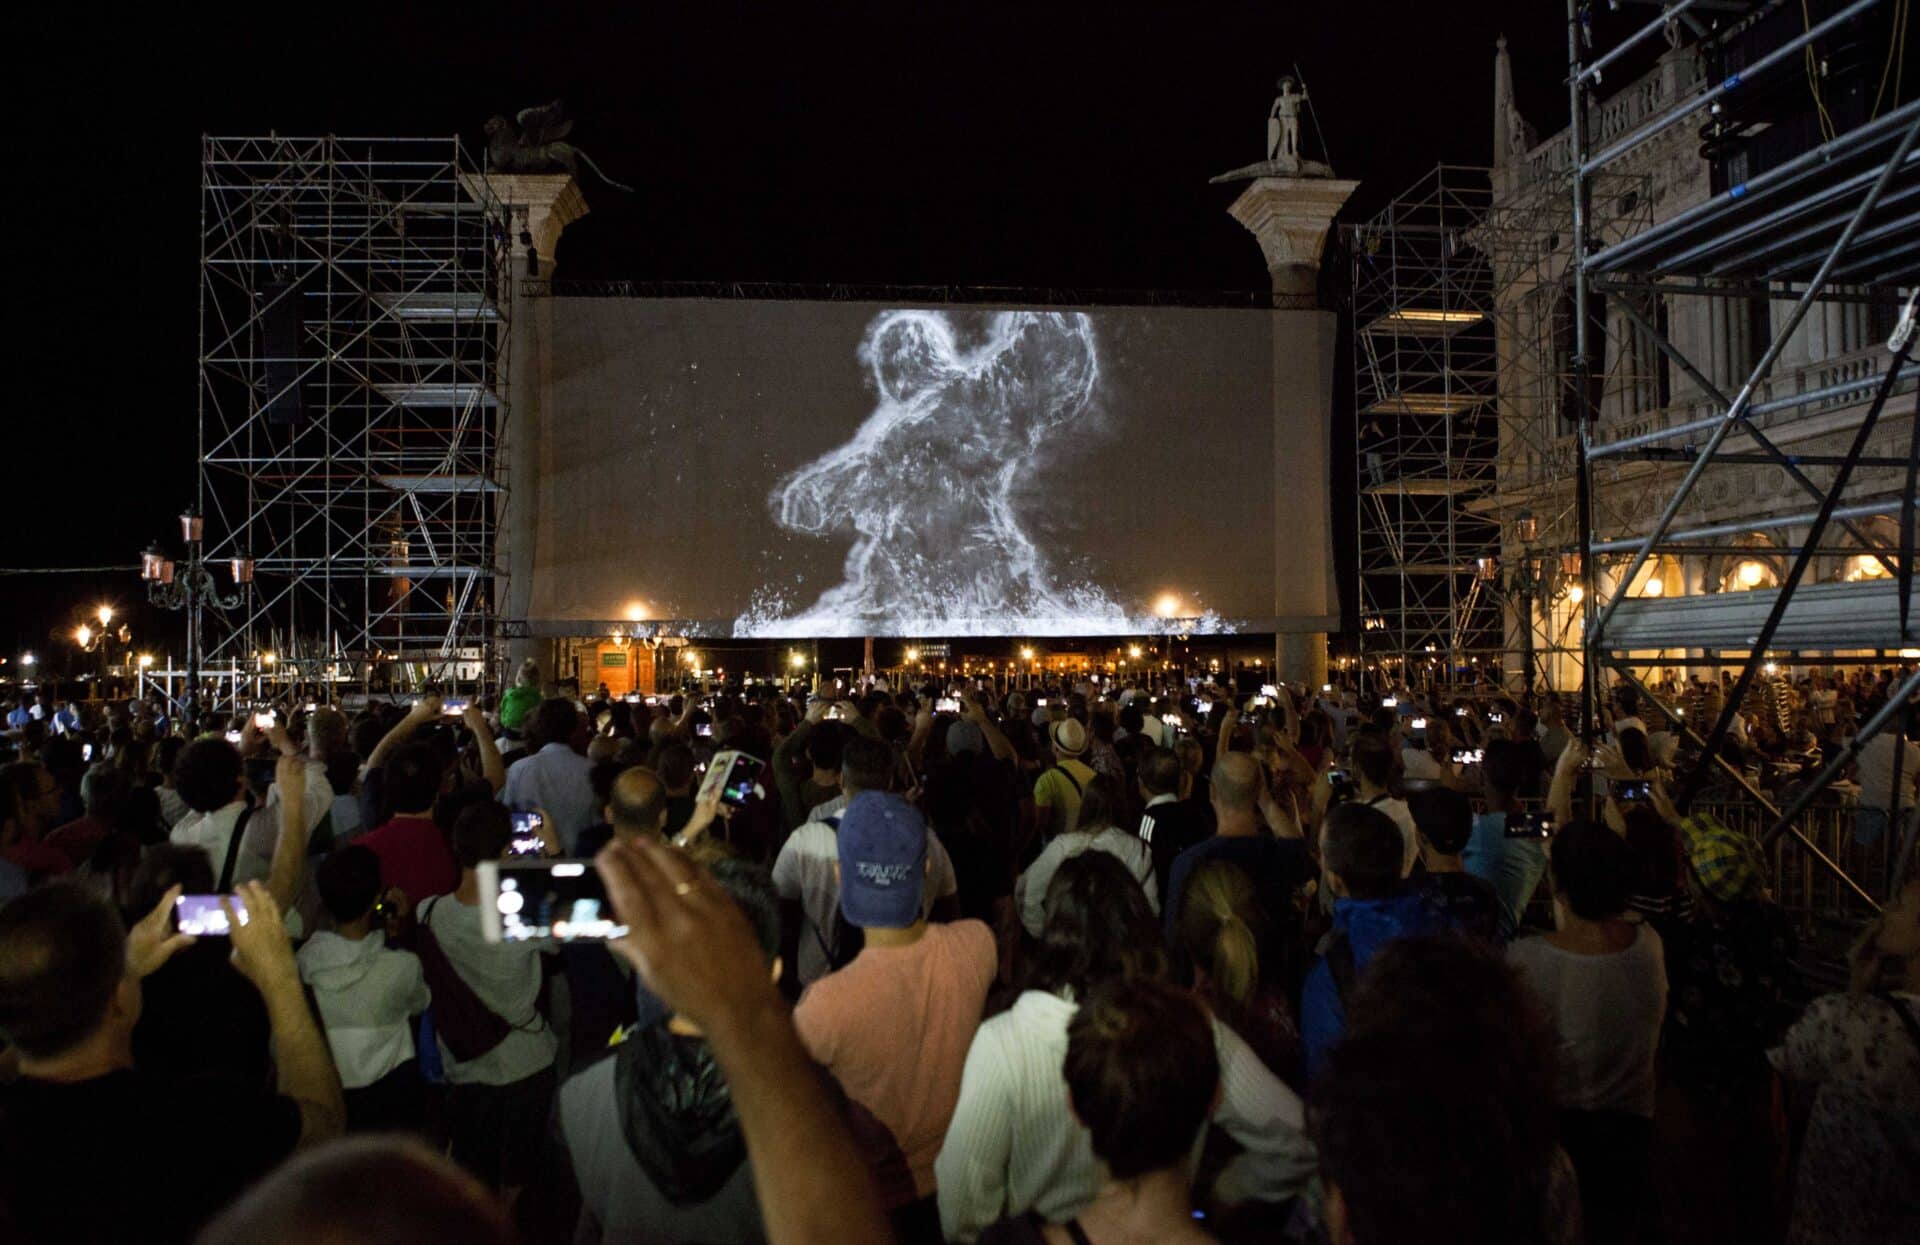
(1813,82)
(1905,14)
(1895,37)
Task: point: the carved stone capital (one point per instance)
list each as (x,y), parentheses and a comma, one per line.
(1289,218)
(543,204)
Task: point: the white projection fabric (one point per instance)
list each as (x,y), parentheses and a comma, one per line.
(730,467)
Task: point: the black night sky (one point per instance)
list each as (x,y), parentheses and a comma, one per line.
(1032,144)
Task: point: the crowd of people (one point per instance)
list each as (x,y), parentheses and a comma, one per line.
(1160,961)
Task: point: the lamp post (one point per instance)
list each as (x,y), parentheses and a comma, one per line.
(171,586)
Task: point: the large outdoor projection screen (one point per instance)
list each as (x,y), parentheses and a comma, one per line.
(812,469)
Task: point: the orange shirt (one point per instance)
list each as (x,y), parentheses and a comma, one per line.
(893,1027)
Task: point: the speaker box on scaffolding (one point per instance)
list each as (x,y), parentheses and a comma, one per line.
(282,331)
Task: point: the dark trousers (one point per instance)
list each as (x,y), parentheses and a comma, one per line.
(1609,1150)
(397,1102)
(498,1132)
(918,1222)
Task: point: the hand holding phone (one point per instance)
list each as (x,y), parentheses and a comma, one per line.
(1529,825)
(527,839)
(544,900)
(734,775)
(202,916)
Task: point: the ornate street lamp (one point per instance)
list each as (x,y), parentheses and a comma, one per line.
(168,588)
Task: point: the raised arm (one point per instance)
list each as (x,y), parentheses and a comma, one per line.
(491,765)
(922,731)
(425,711)
(793,806)
(287,872)
(690,943)
(1566,773)
(306,1073)
(997,741)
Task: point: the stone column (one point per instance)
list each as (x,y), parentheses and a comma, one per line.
(1289,217)
(542,205)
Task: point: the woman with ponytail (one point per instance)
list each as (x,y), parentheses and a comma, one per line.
(1220,934)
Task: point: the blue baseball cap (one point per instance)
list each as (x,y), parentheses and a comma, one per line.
(883,861)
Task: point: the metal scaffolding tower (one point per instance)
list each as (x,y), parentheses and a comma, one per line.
(1427,442)
(352,357)
(1462,313)
(1845,211)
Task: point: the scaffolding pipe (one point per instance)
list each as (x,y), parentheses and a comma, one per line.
(1760,371)
(1864,510)
(1771,451)
(1621,253)
(1779,217)
(1795,573)
(1686,454)
(1807,845)
(1582,367)
(1759,408)
(1680,112)
(1667,14)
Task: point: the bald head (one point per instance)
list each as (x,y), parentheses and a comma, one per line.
(637,803)
(1236,782)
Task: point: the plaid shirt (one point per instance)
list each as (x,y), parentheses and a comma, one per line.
(1725,861)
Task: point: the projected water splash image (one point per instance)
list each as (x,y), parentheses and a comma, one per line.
(927,485)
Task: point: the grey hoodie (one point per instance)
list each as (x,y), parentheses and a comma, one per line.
(367,993)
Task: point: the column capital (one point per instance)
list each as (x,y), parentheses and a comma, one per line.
(543,204)
(1289,217)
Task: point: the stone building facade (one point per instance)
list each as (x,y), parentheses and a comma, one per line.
(1639,389)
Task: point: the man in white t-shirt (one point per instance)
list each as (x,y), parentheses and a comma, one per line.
(1877,794)
(804,872)
(1372,769)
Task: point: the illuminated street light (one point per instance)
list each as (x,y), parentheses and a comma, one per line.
(83,635)
(1133,650)
(1168,606)
(146,660)
(913,656)
(1026,654)
(105,615)
(797,660)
